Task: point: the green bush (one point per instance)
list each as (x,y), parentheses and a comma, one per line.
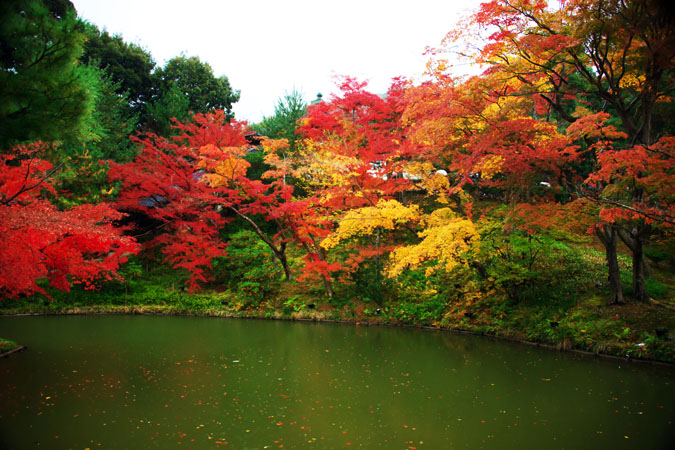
(655,289)
(660,253)
(249,268)
(424,312)
(366,284)
(537,269)
(416,298)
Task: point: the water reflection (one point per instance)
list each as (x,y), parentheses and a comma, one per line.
(177,382)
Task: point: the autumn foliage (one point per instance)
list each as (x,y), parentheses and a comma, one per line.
(77,245)
(561,130)
(167,184)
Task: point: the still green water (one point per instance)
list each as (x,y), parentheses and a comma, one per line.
(129,382)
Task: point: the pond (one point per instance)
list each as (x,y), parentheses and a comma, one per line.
(139,382)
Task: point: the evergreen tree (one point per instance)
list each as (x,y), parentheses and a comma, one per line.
(283,124)
(195,79)
(43,91)
(173,104)
(128,65)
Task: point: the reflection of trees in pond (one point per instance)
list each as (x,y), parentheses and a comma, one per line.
(213,378)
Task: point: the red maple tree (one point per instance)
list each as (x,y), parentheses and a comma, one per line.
(39,241)
(165,185)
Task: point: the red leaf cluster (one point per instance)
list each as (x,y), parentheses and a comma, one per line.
(78,245)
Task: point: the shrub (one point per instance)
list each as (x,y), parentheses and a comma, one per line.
(249,268)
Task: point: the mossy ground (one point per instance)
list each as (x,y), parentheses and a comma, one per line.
(7,345)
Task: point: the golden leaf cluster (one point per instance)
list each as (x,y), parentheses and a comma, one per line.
(445,238)
(364,221)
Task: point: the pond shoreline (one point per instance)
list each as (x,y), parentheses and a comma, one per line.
(159,310)
(7,353)
(8,347)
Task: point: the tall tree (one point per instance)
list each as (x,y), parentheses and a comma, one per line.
(105,136)
(251,200)
(638,196)
(570,61)
(172,106)
(191,185)
(283,124)
(128,65)
(164,184)
(43,93)
(618,51)
(195,79)
(353,148)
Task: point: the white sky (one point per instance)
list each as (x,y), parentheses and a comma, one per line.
(268,47)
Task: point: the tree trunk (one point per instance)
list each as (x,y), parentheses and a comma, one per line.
(378,269)
(607,235)
(634,242)
(279,253)
(639,284)
(327,283)
(281,257)
(480,268)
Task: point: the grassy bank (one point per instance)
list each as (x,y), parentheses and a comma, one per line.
(549,291)
(639,331)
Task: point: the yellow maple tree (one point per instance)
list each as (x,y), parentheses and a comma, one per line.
(387,214)
(445,238)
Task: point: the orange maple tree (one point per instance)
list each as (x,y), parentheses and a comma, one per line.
(534,126)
